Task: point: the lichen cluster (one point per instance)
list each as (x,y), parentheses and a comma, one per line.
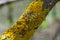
(28,22)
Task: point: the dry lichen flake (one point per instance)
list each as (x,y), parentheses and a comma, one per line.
(28,22)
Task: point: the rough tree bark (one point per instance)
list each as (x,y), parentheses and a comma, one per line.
(29,21)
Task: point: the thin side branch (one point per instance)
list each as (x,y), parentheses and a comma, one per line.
(7,2)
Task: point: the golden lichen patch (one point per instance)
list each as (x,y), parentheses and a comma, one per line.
(28,22)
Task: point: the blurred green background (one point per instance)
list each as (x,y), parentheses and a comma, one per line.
(9,14)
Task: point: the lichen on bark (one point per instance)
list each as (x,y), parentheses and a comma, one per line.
(29,21)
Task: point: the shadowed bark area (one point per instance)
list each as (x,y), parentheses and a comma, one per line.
(29,21)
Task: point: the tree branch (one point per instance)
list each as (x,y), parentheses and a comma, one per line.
(30,20)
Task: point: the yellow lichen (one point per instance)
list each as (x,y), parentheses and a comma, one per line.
(28,22)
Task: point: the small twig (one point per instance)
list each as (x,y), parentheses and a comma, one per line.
(2,3)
